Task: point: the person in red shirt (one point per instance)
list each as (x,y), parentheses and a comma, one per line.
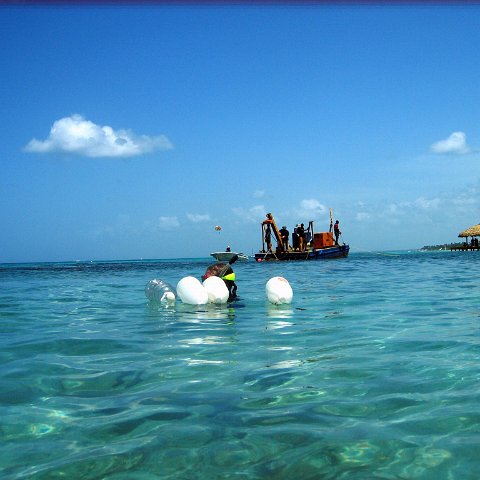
(336,231)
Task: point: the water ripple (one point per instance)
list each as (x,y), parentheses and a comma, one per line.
(372,372)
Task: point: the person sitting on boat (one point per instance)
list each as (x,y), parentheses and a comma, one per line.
(228,249)
(284,233)
(226,273)
(336,231)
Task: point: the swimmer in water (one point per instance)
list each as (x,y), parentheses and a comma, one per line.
(226,273)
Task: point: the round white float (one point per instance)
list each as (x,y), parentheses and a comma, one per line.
(217,290)
(191,291)
(279,291)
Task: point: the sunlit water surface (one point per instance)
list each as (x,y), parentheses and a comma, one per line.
(372,372)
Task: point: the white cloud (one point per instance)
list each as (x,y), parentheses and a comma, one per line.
(455,143)
(311,209)
(198,217)
(393,209)
(253,214)
(165,223)
(258,193)
(411,207)
(427,204)
(78,136)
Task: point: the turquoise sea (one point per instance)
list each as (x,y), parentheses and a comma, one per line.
(373,372)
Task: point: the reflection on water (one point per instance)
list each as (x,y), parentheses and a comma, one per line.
(278,325)
(279,311)
(209,340)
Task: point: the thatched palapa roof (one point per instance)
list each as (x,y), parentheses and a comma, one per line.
(471,232)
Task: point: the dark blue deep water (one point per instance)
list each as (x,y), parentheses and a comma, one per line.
(373,372)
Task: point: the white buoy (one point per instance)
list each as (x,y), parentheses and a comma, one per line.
(159,291)
(279,291)
(191,291)
(217,290)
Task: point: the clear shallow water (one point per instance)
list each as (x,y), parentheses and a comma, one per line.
(372,372)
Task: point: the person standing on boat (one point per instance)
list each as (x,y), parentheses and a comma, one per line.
(268,238)
(301,237)
(228,249)
(295,238)
(284,233)
(336,231)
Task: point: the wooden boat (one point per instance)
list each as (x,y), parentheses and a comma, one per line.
(319,245)
(227,256)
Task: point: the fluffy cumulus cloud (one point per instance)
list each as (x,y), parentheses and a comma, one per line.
(78,136)
(456,143)
(198,217)
(312,209)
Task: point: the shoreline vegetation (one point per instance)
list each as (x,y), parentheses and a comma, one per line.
(445,246)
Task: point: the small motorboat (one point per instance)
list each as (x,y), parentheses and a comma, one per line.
(227,256)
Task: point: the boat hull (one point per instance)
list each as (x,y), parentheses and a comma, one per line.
(227,256)
(337,251)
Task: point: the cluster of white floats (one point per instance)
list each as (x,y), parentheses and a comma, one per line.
(213,290)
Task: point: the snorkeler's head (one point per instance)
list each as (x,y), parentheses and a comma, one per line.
(222,270)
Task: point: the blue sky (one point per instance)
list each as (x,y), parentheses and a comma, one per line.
(130,132)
